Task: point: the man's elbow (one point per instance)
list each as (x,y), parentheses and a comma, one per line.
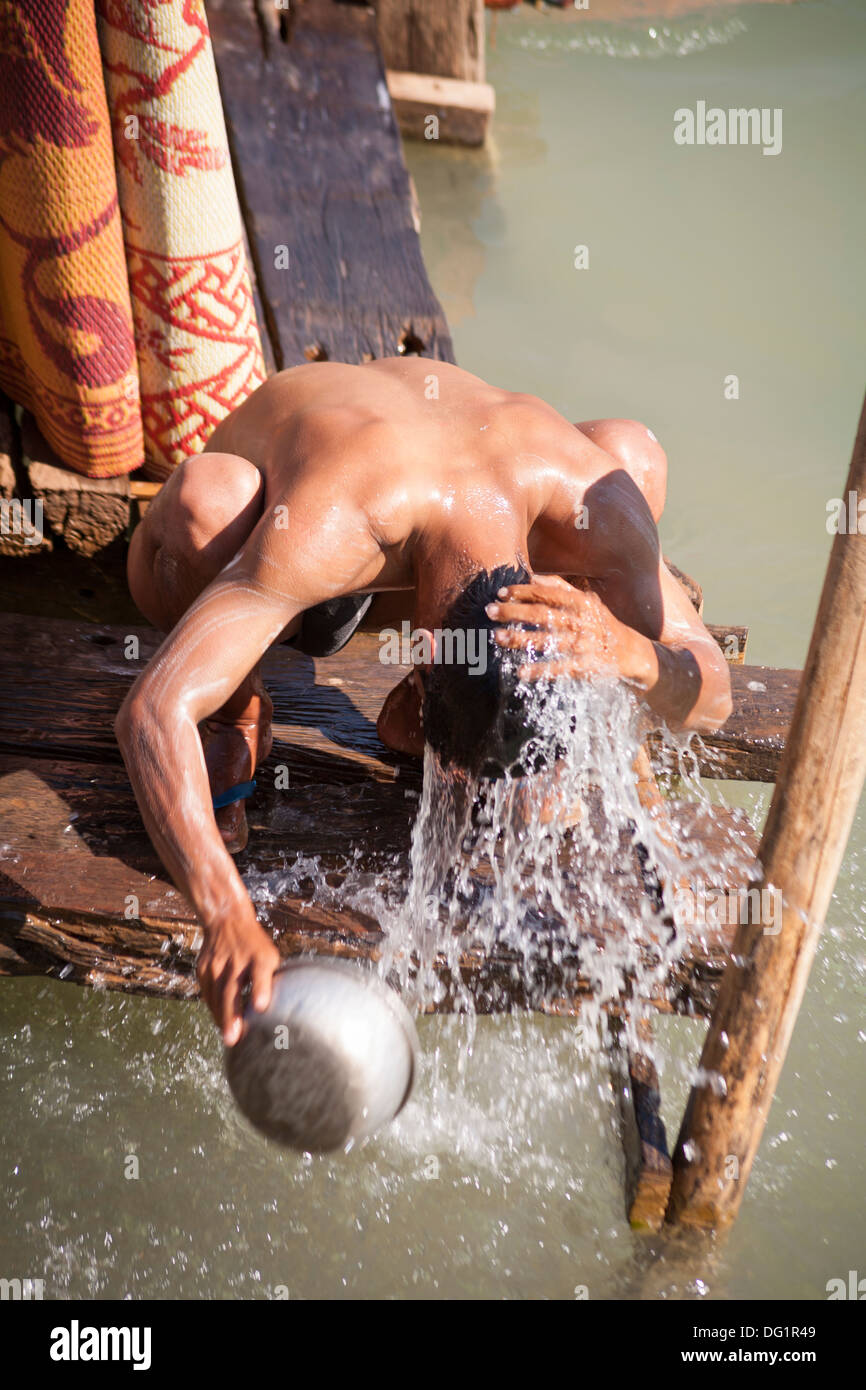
(715,703)
(133,723)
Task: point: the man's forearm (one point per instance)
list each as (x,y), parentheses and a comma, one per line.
(168,776)
(688,686)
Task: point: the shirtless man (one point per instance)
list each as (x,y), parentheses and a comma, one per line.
(333,481)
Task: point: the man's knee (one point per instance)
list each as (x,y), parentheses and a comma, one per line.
(197,523)
(215,503)
(636,447)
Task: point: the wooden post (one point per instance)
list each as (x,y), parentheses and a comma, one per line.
(810,818)
(441,38)
(647,1161)
(433,51)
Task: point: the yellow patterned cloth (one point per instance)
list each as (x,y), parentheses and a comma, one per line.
(130,335)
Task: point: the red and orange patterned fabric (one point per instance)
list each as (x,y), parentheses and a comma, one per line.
(67,347)
(126,316)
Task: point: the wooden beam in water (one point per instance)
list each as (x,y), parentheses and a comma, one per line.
(324,190)
(749,747)
(804,839)
(82,893)
(648,1168)
(83,897)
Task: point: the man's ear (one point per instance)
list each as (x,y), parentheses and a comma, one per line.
(423,647)
(423,654)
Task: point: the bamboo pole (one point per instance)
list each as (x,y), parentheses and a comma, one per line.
(807,829)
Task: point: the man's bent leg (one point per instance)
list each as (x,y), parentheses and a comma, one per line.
(195,525)
(639,452)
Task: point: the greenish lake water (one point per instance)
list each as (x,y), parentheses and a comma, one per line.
(504,1176)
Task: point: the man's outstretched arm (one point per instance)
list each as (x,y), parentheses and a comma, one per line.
(196,670)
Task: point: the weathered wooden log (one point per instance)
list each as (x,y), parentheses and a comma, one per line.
(89,513)
(22,529)
(84,895)
(53,708)
(323,186)
(749,747)
(157,957)
(648,1163)
(443,38)
(804,839)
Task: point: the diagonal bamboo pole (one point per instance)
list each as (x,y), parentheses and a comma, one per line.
(807,829)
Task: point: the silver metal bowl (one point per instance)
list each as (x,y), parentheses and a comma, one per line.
(330,1061)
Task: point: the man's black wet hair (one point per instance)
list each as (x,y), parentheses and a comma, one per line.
(480,721)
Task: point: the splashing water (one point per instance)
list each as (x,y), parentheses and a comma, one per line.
(538,890)
(563,881)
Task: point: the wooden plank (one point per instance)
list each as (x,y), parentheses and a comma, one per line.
(77,861)
(323,185)
(807,829)
(648,1163)
(648,1167)
(37,718)
(750,745)
(441,108)
(733,640)
(83,895)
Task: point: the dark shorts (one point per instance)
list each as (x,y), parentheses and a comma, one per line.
(327,628)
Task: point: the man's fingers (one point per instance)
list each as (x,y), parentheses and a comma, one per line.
(524,613)
(553,581)
(551,670)
(519,639)
(538,582)
(522,605)
(204,973)
(263,968)
(523,593)
(222,986)
(227,1003)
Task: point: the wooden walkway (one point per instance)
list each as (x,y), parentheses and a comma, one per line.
(82,893)
(320,171)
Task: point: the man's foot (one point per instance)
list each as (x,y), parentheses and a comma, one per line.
(233,750)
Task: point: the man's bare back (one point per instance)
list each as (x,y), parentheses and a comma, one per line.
(402,478)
